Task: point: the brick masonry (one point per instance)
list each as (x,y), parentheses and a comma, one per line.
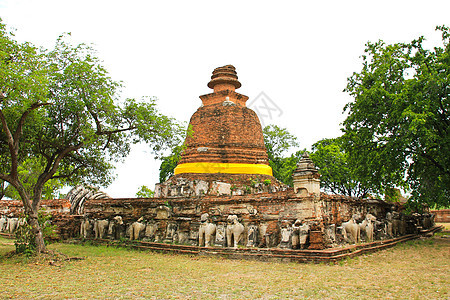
(442,216)
(224,130)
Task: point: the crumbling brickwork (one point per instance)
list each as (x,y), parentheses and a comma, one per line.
(264,211)
(67,225)
(224,130)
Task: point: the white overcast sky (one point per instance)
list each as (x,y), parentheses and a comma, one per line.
(299,53)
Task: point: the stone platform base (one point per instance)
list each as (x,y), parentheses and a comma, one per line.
(272,254)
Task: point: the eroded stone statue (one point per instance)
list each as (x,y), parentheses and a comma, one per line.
(388,228)
(368,226)
(3,223)
(252,236)
(296,234)
(116,227)
(221,234)
(206,231)
(12,225)
(286,234)
(100,227)
(85,228)
(304,234)
(351,230)
(136,229)
(234,231)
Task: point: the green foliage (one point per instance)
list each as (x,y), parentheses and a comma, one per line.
(337,173)
(284,167)
(169,163)
(278,141)
(25,239)
(145,192)
(397,130)
(29,171)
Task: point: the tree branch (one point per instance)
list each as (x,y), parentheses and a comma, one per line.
(66,176)
(5,177)
(51,169)
(11,145)
(19,128)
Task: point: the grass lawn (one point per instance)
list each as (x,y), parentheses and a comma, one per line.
(414,270)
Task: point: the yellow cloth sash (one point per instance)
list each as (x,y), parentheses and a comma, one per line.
(228,168)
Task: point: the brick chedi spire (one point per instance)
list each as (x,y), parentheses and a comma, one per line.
(226,135)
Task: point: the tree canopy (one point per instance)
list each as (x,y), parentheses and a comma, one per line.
(144,192)
(397,129)
(278,142)
(61,109)
(170,162)
(337,174)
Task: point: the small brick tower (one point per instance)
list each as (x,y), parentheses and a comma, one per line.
(227,136)
(306,177)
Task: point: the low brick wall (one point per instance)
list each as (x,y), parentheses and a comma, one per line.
(442,216)
(67,225)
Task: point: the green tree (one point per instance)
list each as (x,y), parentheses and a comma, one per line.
(337,174)
(397,129)
(144,192)
(169,163)
(278,142)
(62,109)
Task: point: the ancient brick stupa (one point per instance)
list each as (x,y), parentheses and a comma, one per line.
(227,136)
(225,151)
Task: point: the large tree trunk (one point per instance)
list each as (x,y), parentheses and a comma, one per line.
(37,232)
(31,209)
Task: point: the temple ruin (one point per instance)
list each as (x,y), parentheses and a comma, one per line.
(223,196)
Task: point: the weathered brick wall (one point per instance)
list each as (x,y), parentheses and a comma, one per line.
(66,225)
(195,185)
(54,207)
(225,134)
(266,211)
(442,216)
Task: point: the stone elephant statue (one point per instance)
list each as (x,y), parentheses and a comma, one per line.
(136,229)
(234,231)
(85,228)
(116,227)
(100,228)
(3,223)
(367,226)
(352,229)
(12,225)
(206,232)
(398,224)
